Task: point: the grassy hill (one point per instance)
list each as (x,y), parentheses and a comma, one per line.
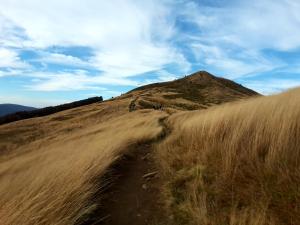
(144,157)
(234,164)
(196,91)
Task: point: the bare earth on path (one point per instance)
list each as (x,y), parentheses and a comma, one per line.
(134,195)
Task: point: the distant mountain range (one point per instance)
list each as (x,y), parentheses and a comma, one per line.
(12,108)
(22,113)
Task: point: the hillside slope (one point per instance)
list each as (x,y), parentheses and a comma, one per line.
(50,167)
(91,164)
(235,164)
(196,91)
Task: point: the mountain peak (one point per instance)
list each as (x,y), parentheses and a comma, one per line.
(195,91)
(200,75)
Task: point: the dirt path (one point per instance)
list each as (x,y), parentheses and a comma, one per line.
(135,199)
(134,196)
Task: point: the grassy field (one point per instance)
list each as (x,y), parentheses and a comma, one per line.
(49,169)
(230,164)
(235,164)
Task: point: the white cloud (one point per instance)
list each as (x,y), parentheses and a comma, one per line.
(138,59)
(162,76)
(73,80)
(10,72)
(166,76)
(90,23)
(128,37)
(231,39)
(273,86)
(10,59)
(61,59)
(269,24)
(62,81)
(256,24)
(10,35)
(233,65)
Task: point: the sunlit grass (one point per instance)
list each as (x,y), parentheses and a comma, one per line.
(235,164)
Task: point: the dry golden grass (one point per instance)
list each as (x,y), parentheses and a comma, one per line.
(235,164)
(49,165)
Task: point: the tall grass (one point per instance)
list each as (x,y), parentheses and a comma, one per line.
(236,164)
(50,179)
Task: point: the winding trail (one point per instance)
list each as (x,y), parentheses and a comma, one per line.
(134,196)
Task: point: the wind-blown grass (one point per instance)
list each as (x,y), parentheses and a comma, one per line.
(50,179)
(235,164)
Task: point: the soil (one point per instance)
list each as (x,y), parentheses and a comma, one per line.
(134,199)
(131,198)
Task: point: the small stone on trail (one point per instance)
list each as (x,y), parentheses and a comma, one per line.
(144,186)
(146,157)
(150,175)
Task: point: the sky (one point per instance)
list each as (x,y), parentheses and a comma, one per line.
(59,51)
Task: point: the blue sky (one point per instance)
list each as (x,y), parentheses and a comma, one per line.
(65,50)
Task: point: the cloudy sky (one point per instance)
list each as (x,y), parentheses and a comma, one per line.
(63,50)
